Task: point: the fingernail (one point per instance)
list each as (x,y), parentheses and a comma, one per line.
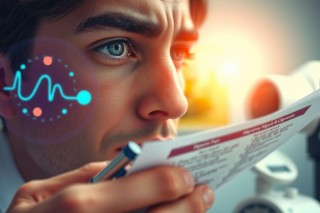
(208,196)
(188,179)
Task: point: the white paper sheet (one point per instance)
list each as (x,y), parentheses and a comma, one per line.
(216,156)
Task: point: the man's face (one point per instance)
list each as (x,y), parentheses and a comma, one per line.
(128,55)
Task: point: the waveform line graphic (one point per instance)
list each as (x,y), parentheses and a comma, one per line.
(83,97)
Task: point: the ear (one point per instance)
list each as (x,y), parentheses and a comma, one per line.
(6,100)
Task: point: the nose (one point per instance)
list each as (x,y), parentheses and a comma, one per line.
(163,97)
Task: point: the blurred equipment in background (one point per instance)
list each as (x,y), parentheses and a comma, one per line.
(277,91)
(314,151)
(277,168)
(274,92)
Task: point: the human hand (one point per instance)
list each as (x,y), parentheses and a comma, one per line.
(159,189)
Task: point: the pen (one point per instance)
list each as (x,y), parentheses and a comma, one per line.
(117,166)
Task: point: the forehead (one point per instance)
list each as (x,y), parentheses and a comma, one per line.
(147,7)
(169,20)
(160,12)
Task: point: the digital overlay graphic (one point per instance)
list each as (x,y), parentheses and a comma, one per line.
(52,94)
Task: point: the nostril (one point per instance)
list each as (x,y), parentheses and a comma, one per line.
(159,113)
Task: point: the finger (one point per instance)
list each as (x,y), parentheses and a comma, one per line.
(200,200)
(136,191)
(39,190)
(83,174)
(150,187)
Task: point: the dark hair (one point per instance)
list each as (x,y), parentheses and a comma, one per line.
(19,20)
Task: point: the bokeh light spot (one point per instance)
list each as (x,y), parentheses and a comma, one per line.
(64,111)
(22,66)
(37,111)
(84,97)
(47,60)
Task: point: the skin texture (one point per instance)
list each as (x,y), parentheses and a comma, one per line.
(136,95)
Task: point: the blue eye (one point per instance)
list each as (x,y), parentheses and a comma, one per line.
(179,54)
(116,49)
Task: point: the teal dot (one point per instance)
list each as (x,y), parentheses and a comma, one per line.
(71,74)
(64,111)
(23,66)
(24,111)
(84,97)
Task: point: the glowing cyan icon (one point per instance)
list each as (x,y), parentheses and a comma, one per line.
(39,111)
(64,111)
(83,97)
(22,66)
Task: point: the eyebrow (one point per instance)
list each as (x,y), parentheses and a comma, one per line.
(119,21)
(130,24)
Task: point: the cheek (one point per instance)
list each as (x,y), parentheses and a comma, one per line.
(117,89)
(53,93)
(114,101)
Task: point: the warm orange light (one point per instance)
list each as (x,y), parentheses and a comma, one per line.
(37,111)
(47,60)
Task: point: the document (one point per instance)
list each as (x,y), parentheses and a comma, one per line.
(216,156)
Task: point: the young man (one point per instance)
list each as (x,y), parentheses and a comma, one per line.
(79,79)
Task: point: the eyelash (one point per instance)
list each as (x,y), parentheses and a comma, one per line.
(127,48)
(131,54)
(187,52)
(186,55)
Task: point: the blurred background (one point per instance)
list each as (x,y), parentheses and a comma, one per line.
(242,41)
